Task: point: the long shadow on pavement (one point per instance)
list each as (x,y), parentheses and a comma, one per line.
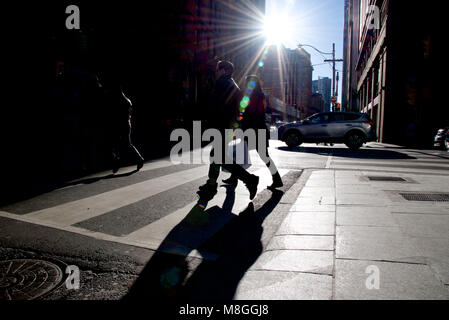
(36,189)
(364,153)
(229,245)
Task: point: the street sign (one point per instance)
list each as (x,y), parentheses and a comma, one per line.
(334,99)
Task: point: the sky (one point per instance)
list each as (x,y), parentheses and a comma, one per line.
(314,22)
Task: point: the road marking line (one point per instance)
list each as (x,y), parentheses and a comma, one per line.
(154,236)
(147,166)
(329,160)
(86,208)
(152,245)
(161,228)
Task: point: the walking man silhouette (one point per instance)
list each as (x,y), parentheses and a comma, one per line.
(119,111)
(225,99)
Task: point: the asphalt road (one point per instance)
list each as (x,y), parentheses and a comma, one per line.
(135,235)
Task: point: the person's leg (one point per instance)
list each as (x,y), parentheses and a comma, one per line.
(207,191)
(232,180)
(277,181)
(251,181)
(115,148)
(138,157)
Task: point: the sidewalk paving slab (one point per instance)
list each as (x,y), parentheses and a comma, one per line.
(278,285)
(375,243)
(301,242)
(397,281)
(424,225)
(340,224)
(308,223)
(365,216)
(317,262)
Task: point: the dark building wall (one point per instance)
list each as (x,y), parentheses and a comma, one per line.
(396,70)
(414,48)
(163,52)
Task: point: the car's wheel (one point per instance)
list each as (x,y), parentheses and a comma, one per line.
(293,139)
(446,144)
(354,141)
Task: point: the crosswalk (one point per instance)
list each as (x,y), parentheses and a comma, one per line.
(403,161)
(156,208)
(179,231)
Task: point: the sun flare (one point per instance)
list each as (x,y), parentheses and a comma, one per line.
(278,29)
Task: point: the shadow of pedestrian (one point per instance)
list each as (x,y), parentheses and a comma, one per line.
(96,179)
(37,188)
(239,245)
(228,245)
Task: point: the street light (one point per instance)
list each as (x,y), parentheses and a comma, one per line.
(333,60)
(308,45)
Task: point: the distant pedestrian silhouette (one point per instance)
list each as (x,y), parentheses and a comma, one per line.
(119,110)
(253,118)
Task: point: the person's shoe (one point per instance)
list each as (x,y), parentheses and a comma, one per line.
(252,186)
(139,165)
(277,182)
(207,192)
(233,181)
(115,168)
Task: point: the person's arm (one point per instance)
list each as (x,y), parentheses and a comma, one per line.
(264,103)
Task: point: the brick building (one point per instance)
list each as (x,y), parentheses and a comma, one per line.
(287,75)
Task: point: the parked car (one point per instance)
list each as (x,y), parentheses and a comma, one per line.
(352,128)
(280,123)
(440,140)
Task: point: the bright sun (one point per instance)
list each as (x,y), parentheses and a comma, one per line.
(278,29)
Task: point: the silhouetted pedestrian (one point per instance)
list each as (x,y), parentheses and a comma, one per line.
(225,102)
(119,110)
(254,119)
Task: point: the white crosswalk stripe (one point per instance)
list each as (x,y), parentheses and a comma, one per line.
(422,164)
(83,209)
(152,236)
(154,233)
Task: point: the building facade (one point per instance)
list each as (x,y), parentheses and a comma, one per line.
(323,86)
(287,76)
(317,104)
(163,53)
(393,52)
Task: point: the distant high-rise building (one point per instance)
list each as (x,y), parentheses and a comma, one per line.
(323,86)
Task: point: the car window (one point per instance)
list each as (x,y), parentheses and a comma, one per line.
(351,116)
(338,117)
(319,118)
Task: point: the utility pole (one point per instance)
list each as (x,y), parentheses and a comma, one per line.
(334,93)
(338,78)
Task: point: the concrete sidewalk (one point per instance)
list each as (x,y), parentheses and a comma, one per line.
(351,236)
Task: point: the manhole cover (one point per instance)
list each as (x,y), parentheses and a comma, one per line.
(438,197)
(376,178)
(25,279)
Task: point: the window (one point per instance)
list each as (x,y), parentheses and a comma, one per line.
(321,118)
(351,116)
(338,117)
